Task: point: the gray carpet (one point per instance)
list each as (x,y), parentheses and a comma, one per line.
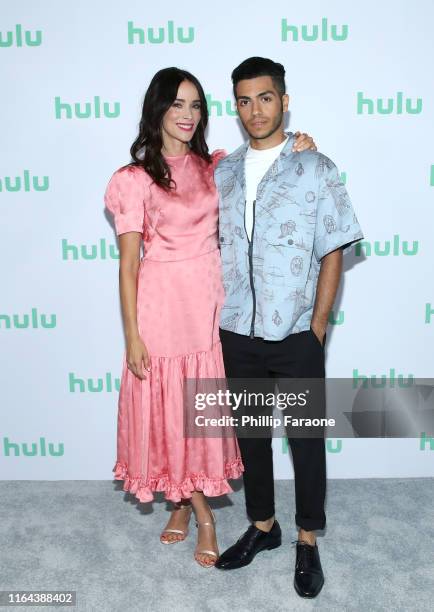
(377,550)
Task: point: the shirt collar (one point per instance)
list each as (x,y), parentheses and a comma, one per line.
(238,166)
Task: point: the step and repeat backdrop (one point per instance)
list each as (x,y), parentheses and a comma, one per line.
(73,77)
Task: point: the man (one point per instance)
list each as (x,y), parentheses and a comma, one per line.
(285,218)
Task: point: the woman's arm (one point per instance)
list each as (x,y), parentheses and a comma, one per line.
(137,354)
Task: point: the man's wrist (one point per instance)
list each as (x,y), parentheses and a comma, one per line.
(319,326)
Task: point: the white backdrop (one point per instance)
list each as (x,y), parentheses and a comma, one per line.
(60,326)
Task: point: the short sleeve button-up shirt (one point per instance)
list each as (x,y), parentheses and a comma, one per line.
(302,212)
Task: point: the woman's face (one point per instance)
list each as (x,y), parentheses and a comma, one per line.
(182,118)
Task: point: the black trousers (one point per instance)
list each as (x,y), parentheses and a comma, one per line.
(297,356)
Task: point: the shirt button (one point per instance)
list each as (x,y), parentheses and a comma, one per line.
(290,241)
(222,239)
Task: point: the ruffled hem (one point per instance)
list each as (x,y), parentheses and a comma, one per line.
(211,487)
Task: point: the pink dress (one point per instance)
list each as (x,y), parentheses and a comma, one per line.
(179,297)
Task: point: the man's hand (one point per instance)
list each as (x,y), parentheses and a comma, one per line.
(319,330)
(303,142)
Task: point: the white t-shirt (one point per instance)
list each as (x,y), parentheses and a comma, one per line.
(257,163)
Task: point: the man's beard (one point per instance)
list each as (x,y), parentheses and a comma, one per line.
(276,125)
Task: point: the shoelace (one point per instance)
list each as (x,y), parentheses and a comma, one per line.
(246,534)
(306,554)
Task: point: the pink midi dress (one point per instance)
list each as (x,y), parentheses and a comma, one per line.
(179,298)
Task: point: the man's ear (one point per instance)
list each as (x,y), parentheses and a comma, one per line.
(285,102)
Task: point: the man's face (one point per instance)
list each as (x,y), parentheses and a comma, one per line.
(260,107)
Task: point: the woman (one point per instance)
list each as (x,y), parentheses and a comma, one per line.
(171,301)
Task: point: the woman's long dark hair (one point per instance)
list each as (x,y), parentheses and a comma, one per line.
(159,97)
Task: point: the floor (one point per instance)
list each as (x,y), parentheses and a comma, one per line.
(377,551)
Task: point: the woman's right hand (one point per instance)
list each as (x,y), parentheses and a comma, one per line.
(138,358)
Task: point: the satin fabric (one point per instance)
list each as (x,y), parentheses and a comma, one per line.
(179,298)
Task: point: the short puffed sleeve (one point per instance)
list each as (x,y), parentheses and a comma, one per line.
(217,155)
(125,199)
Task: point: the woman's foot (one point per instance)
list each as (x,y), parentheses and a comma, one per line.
(176,529)
(207,552)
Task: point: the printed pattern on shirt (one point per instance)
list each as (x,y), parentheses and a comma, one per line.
(303,212)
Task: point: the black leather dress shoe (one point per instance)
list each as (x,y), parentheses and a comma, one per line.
(308,577)
(249,544)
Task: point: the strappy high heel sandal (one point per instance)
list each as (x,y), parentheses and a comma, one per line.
(206,552)
(163,540)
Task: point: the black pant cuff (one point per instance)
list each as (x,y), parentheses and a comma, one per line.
(260,514)
(310,524)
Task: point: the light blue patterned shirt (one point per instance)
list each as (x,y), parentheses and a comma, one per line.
(302,212)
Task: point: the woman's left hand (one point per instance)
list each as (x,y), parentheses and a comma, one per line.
(303,142)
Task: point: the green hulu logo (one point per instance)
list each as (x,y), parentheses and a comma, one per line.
(24,183)
(107,384)
(157,36)
(323,32)
(388,106)
(34,449)
(390,247)
(338,319)
(86,110)
(22,38)
(227,107)
(429,310)
(33,320)
(426,441)
(331,446)
(432,176)
(380,382)
(103,250)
